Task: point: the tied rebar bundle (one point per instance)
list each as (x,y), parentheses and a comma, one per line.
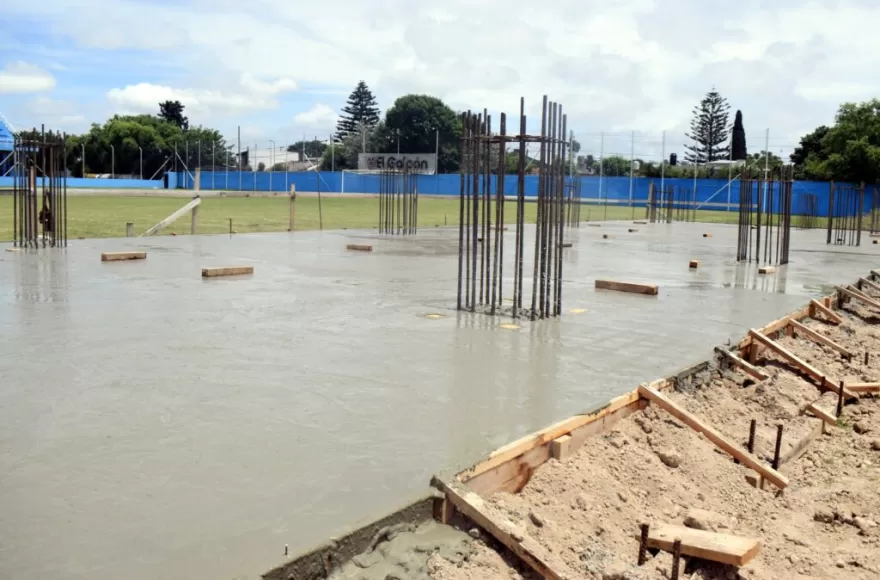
(764,233)
(398,202)
(39,190)
(671,203)
(845,207)
(484,166)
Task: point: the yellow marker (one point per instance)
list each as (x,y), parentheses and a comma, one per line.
(577,310)
(511,326)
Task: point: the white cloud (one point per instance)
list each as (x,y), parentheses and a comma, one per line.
(250,94)
(21,77)
(319,116)
(630,65)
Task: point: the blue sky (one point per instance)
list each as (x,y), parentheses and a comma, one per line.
(281,69)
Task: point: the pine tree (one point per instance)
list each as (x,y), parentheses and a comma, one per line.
(360,110)
(709,130)
(738,139)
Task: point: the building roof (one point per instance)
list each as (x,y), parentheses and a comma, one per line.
(6,140)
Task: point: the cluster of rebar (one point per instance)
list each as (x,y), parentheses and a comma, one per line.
(671,203)
(481,254)
(573,202)
(398,202)
(845,206)
(765,208)
(39,190)
(805,212)
(875,210)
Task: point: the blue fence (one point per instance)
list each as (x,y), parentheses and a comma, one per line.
(95,183)
(710,193)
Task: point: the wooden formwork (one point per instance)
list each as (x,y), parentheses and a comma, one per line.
(510,468)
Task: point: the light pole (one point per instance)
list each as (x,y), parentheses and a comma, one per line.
(142,161)
(112,162)
(272,161)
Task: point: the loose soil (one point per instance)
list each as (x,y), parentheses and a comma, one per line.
(585,511)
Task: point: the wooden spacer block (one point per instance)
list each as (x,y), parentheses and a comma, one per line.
(632,230)
(559,448)
(607,237)
(694,264)
(875,241)
(766,269)
(707,235)
(650,289)
(594,225)
(120,256)
(365,248)
(566,244)
(641,223)
(717,547)
(229,271)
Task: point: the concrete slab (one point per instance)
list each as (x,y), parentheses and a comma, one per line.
(155,424)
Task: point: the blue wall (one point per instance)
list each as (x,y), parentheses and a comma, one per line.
(95,183)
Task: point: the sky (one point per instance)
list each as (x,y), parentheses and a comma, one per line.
(628,73)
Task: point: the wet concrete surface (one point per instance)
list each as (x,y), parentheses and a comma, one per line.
(157,425)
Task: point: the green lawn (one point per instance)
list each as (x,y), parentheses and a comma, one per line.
(106,216)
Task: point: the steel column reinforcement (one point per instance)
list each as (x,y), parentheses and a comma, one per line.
(398,202)
(765,202)
(845,209)
(485,162)
(39,190)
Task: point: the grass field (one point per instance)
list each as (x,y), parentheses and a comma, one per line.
(106,216)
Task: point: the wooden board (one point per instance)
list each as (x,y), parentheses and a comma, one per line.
(819,338)
(816,306)
(766,269)
(858,295)
(694,264)
(715,437)
(528,550)
(121,256)
(800,447)
(363,247)
(863,387)
(724,548)
(229,271)
(545,435)
(707,235)
(650,289)
(865,282)
(173,217)
(807,368)
(746,367)
(821,414)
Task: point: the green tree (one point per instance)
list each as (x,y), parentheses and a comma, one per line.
(615,166)
(172,111)
(848,151)
(313,148)
(709,130)
(738,139)
(360,109)
(415,120)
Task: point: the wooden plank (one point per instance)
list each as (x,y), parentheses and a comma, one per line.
(545,435)
(801,446)
(865,282)
(766,269)
(863,387)
(724,548)
(359,247)
(819,413)
(857,295)
(715,437)
(650,289)
(819,338)
(607,237)
(527,549)
(826,312)
(229,271)
(121,256)
(746,367)
(173,217)
(807,368)
(694,264)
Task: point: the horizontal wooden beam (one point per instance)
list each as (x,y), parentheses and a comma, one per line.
(819,338)
(863,387)
(120,256)
(715,437)
(535,556)
(872,285)
(650,289)
(359,247)
(816,306)
(717,547)
(229,271)
(766,269)
(746,367)
(858,295)
(819,413)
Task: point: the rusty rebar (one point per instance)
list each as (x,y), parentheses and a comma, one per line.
(840,392)
(676,559)
(643,545)
(778,450)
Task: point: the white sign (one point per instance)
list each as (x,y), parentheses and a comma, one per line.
(410,162)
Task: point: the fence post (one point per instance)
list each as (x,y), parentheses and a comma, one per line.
(292,207)
(195,220)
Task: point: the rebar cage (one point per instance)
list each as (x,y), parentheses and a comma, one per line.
(39,190)
(398,202)
(765,209)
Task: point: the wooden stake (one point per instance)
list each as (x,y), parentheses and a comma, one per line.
(746,367)
(816,306)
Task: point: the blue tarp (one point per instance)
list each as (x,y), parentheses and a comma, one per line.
(5,137)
